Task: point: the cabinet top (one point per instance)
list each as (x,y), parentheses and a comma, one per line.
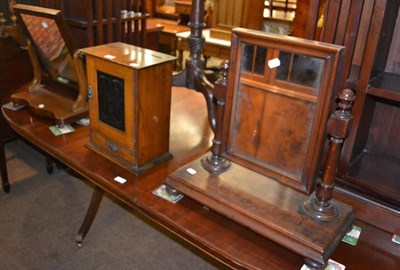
(128,55)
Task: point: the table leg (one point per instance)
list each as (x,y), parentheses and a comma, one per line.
(3,169)
(179,64)
(90,214)
(49,164)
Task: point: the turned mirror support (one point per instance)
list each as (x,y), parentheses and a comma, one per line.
(82,98)
(37,73)
(215,163)
(51,49)
(321,207)
(214,94)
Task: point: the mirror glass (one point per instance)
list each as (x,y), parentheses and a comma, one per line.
(276,101)
(51,48)
(300,69)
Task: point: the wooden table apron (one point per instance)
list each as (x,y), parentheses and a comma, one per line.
(217,236)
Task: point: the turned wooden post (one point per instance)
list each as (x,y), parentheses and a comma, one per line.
(215,163)
(194,64)
(81,102)
(37,73)
(321,207)
(194,75)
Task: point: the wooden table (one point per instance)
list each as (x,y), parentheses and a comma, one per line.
(215,235)
(167,39)
(213,47)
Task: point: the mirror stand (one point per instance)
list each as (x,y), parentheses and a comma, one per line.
(62,106)
(53,92)
(270,114)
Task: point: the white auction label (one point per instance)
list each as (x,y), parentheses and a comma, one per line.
(273,63)
(191,171)
(119,179)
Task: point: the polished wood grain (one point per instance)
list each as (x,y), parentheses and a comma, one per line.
(373,251)
(222,239)
(228,243)
(57,64)
(260,102)
(273,133)
(264,206)
(132,87)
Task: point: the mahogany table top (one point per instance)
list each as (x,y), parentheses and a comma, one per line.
(215,235)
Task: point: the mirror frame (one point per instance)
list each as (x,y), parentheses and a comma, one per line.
(64,101)
(323,100)
(56,16)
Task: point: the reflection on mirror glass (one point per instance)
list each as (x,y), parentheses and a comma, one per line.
(253,58)
(247,57)
(282,72)
(300,69)
(259,66)
(50,47)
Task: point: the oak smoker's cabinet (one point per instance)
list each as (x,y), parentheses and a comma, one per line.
(129,104)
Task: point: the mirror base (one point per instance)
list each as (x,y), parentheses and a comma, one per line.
(50,104)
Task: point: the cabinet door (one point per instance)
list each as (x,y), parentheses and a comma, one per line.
(279,99)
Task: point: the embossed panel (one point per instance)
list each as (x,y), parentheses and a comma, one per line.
(111,100)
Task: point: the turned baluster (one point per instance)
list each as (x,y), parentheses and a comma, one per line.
(321,207)
(194,64)
(215,163)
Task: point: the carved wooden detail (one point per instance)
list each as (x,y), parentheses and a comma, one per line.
(321,207)
(215,163)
